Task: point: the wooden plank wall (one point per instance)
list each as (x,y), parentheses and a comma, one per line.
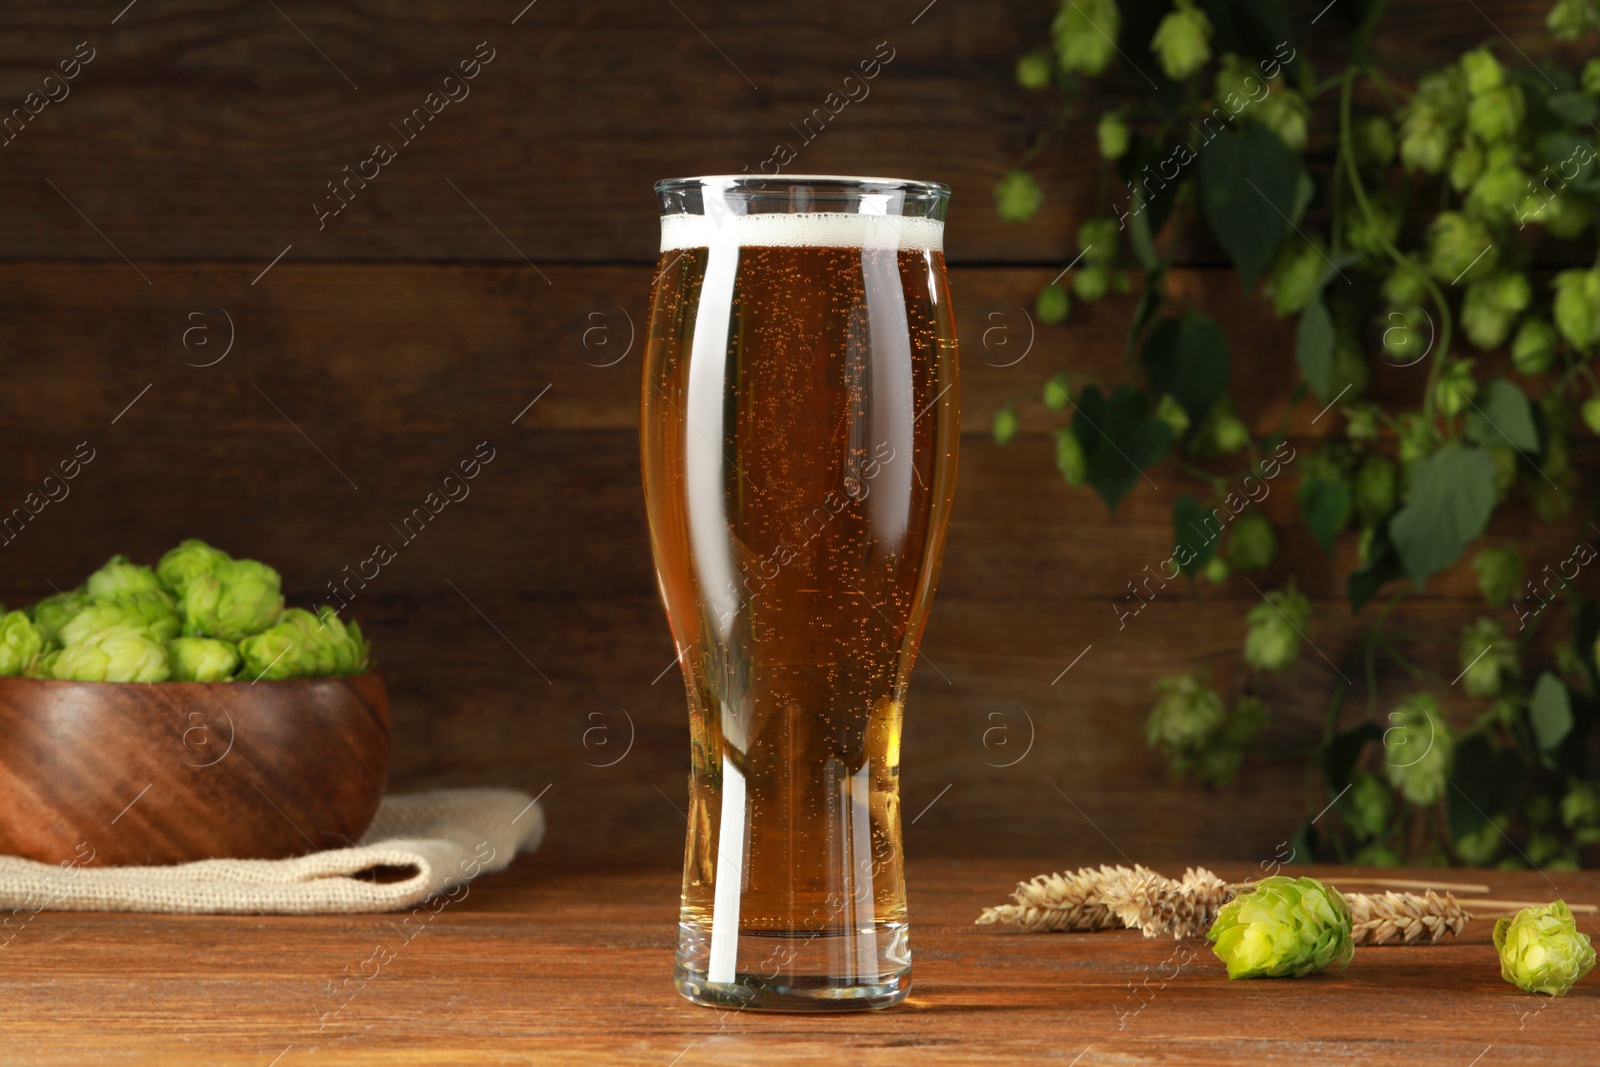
(503,256)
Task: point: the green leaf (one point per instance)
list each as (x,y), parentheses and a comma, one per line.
(1550,711)
(1189,528)
(1119,438)
(1486,781)
(1314,347)
(1382,567)
(1187,358)
(1340,755)
(1005,425)
(1576,108)
(1248,186)
(1452,494)
(1503,416)
(1326,506)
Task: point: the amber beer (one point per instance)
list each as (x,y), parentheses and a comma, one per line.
(799,442)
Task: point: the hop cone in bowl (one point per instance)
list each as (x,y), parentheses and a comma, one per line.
(303,645)
(191,559)
(236,598)
(202,659)
(121,654)
(118,577)
(20,643)
(150,610)
(1283,927)
(55,611)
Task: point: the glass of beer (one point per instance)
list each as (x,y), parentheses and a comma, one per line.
(798,435)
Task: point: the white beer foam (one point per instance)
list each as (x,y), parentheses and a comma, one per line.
(808,229)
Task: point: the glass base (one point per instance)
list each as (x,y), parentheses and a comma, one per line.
(831,970)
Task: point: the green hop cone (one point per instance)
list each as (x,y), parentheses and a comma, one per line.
(1005,425)
(1487,656)
(1497,194)
(117,576)
(1052,305)
(1283,928)
(1483,71)
(1295,275)
(1098,239)
(1375,488)
(1407,335)
(1499,574)
(1533,350)
(1033,70)
(1071,463)
(1373,236)
(1171,412)
(1286,113)
(202,659)
(1591,414)
(1480,847)
(1564,216)
(1057,391)
(1580,807)
(1456,243)
(55,611)
(1374,142)
(1272,642)
(121,654)
(1417,750)
(1182,40)
(1542,950)
(1454,390)
(1404,286)
(1216,570)
(1577,306)
(1429,123)
(1591,77)
(186,562)
(20,643)
(1017,196)
(236,599)
(1112,135)
(1496,115)
(1186,714)
(1090,283)
(1252,544)
(1466,163)
(1418,439)
(1084,32)
(152,611)
(1367,806)
(303,645)
(1361,423)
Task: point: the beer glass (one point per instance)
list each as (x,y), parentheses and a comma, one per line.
(798,436)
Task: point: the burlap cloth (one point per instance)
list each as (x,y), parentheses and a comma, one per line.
(443,838)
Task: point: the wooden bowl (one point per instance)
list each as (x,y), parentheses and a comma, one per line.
(176,771)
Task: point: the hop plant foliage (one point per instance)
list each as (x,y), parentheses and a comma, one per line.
(20,643)
(1283,928)
(1442,222)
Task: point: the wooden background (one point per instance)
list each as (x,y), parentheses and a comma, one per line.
(505,256)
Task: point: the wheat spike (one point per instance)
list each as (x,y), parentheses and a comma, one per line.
(1060,902)
(1405,918)
(1157,905)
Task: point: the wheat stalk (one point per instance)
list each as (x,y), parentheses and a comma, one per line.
(1107,898)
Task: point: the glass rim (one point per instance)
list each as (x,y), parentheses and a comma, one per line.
(842,182)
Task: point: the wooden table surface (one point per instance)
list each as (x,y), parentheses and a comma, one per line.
(547,964)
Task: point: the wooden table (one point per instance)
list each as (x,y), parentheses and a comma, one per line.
(545,964)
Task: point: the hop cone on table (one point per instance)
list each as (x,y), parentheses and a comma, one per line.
(1283,927)
(1542,950)
(236,598)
